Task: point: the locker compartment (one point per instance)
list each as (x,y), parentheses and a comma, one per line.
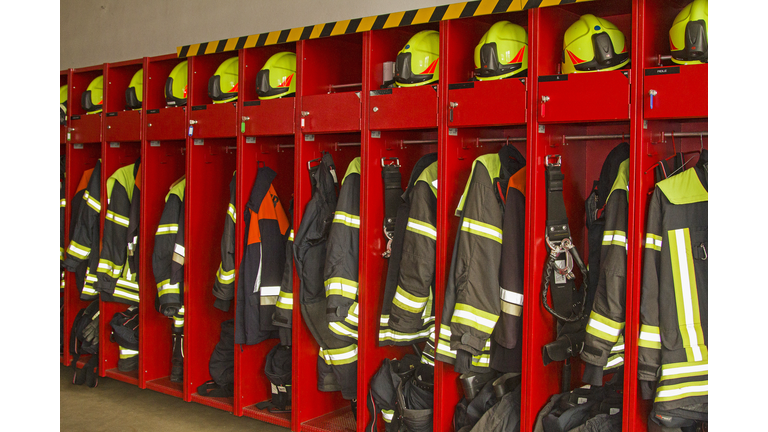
(79,158)
(122,122)
(163,122)
(330,82)
(403,147)
(210,166)
(670,90)
(659,141)
(207,118)
(114,156)
(393,107)
(583,148)
(472,102)
(676,92)
(276,153)
(83,127)
(582,96)
(272,115)
(163,163)
(457,154)
(313,409)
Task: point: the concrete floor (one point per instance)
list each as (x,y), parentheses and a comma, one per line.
(117,406)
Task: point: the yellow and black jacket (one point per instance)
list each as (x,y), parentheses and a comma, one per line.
(342,258)
(408,315)
(261,270)
(224,286)
(604,340)
(84,236)
(473,297)
(168,256)
(673,311)
(116,280)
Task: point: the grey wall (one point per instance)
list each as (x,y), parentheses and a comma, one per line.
(102,31)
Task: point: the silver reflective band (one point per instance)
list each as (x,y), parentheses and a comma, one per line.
(511,297)
(422,228)
(410,302)
(604,328)
(651,337)
(270,290)
(179,249)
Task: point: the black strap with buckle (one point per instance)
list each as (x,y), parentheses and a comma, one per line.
(390,174)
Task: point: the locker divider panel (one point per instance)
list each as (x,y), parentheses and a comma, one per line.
(210,165)
(114,156)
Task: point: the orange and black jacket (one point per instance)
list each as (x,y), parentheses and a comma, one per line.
(83,250)
(261,269)
(224,285)
(117,280)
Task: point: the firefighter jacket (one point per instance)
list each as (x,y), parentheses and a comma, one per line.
(116,280)
(411,315)
(283,318)
(261,269)
(168,256)
(673,311)
(506,346)
(473,297)
(342,258)
(424,210)
(84,237)
(62,215)
(224,285)
(604,341)
(337,359)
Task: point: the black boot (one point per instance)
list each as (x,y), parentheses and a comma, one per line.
(177,358)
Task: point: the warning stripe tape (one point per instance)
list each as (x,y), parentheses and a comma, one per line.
(357,25)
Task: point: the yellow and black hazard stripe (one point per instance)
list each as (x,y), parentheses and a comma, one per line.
(357,25)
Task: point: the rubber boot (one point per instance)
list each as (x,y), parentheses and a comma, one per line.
(177,358)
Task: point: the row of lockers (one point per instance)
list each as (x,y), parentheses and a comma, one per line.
(340,108)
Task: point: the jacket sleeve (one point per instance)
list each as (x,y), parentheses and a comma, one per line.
(341,261)
(224,286)
(168,291)
(114,239)
(85,237)
(284,307)
(606,321)
(477,266)
(512,271)
(650,337)
(417,265)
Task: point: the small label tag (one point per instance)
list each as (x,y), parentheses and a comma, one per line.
(274,388)
(154,143)
(114,145)
(250,140)
(153,111)
(112,114)
(309,137)
(375,134)
(453,132)
(549,78)
(198,141)
(542,129)
(581,400)
(281,389)
(77,146)
(560,279)
(613,411)
(663,71)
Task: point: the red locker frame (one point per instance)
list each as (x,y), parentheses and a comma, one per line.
(163,162)
(339,107)
(211,149)
(330,82)
(678,121)
(266,139)
(83,150)
(477,117)
(64,355)
(123,147)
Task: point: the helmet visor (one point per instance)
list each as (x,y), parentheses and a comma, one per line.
(490,65)
(131,99)
(214,89)
(263,89)
(170,98)
(403,72)
(87,102)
